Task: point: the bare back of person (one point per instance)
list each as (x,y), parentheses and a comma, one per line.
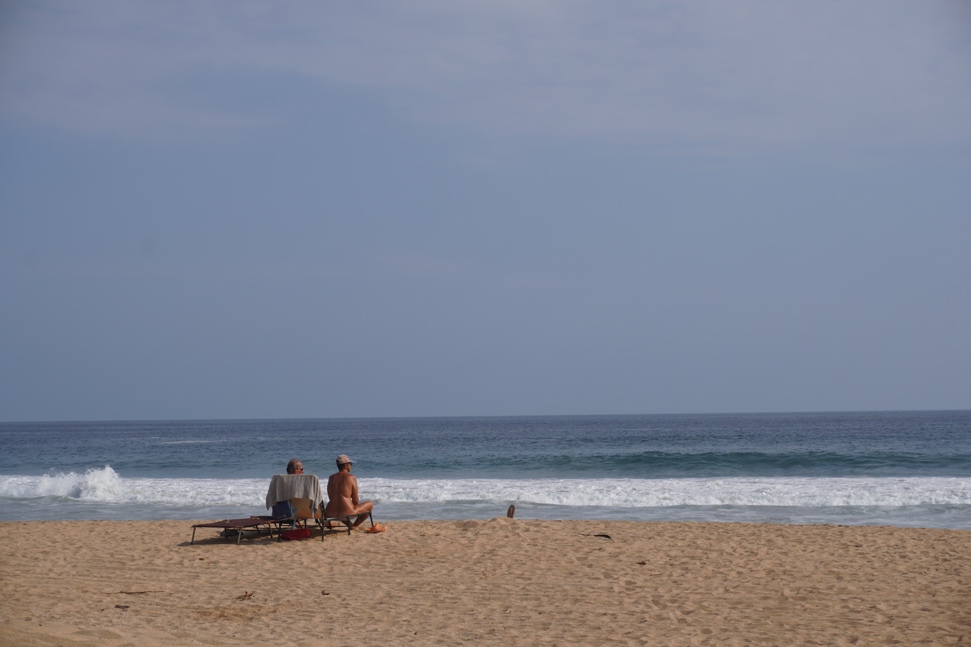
(343,498)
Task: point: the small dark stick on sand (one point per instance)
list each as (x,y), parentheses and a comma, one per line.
(511,512)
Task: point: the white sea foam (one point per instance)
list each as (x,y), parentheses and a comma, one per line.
(193,442)
(106,486)
(94,484)
(630,493)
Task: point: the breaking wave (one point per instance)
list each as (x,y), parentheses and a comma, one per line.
(104,485)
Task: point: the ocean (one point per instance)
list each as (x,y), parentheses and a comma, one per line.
(875,468)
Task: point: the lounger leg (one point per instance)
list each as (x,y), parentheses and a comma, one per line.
(193,537)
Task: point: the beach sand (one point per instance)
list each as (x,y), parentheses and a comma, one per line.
(486,582)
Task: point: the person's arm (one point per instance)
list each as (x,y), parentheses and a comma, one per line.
(354,490)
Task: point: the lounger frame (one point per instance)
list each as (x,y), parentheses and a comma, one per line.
(239,525)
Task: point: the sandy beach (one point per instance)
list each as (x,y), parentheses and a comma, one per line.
(486,582)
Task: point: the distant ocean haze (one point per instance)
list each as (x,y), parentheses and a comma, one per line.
(888,468)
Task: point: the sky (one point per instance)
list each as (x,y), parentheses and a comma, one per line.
(428,208)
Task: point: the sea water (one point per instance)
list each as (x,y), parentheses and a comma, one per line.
(886,468)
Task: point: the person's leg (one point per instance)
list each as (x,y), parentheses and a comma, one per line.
(362,512)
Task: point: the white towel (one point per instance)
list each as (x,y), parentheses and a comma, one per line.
(291,486)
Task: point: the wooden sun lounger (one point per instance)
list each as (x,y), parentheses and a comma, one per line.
(250,523)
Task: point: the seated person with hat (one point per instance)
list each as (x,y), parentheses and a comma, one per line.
(342,494)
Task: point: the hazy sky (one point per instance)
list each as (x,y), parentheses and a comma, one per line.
(330,209)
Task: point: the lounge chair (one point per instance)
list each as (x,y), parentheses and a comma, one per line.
(305,512)
(239,525)
(281,515)
(284,487)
